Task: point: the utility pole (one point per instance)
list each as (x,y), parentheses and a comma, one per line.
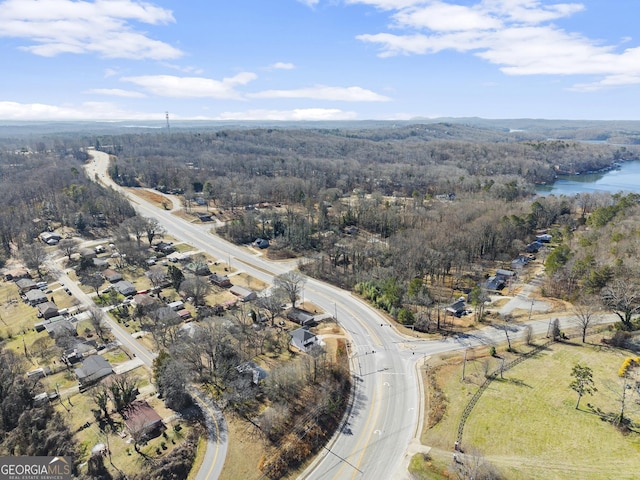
(530,310)
(167,117)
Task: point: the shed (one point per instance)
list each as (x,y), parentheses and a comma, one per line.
(177,305)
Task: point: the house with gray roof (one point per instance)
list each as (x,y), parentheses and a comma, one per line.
(94,367)
(303,339)
(34,297)
(125,288)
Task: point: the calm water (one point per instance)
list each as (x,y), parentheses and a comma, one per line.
(625,179)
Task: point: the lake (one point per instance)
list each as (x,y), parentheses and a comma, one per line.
(625,179)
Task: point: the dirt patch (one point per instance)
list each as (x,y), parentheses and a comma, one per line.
(156,199)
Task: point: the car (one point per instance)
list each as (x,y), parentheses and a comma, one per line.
(49,291)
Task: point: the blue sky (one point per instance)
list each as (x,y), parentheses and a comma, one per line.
(318,59)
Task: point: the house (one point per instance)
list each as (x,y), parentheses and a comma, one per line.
(167,315)
(261,243)
(47,309)
(533,247)
(87,253)
(184,314)
(177,257)
(505,274)
(244,294)
(520,261)
(457,308)
(35,297)
(125,288)
(100,262)
(300,316)
(220,280)
(303,339)
(78,351)
(139,416)
(143,300)
(94,367)
(164,247)
(198,268)
(50,238)
(26,284)
(61,328)
(251,368)
(494,283)
(544,238)
(111,276)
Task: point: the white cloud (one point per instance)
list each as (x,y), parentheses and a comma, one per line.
(85,111)
(101,27)
(116,92)
(282,66)
(110,72)
(193,87)
(516,35)
(440,16)
(322,92)
(299,114)
(310,3)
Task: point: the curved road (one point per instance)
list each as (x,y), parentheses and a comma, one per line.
(385,416)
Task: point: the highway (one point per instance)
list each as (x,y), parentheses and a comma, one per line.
(386,410)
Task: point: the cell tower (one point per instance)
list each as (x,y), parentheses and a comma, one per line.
(168,127)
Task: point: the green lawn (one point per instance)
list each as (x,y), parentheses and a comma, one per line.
(527,424)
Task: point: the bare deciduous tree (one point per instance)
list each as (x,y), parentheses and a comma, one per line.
(586,315)
(68,246)
(291,284)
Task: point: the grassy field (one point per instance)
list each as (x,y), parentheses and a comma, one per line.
(526,424)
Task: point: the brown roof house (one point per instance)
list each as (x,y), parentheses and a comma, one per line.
(93,368)
(111,276)
(140,417)
(26,284)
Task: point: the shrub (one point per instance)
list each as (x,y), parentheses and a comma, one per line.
(492,351)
